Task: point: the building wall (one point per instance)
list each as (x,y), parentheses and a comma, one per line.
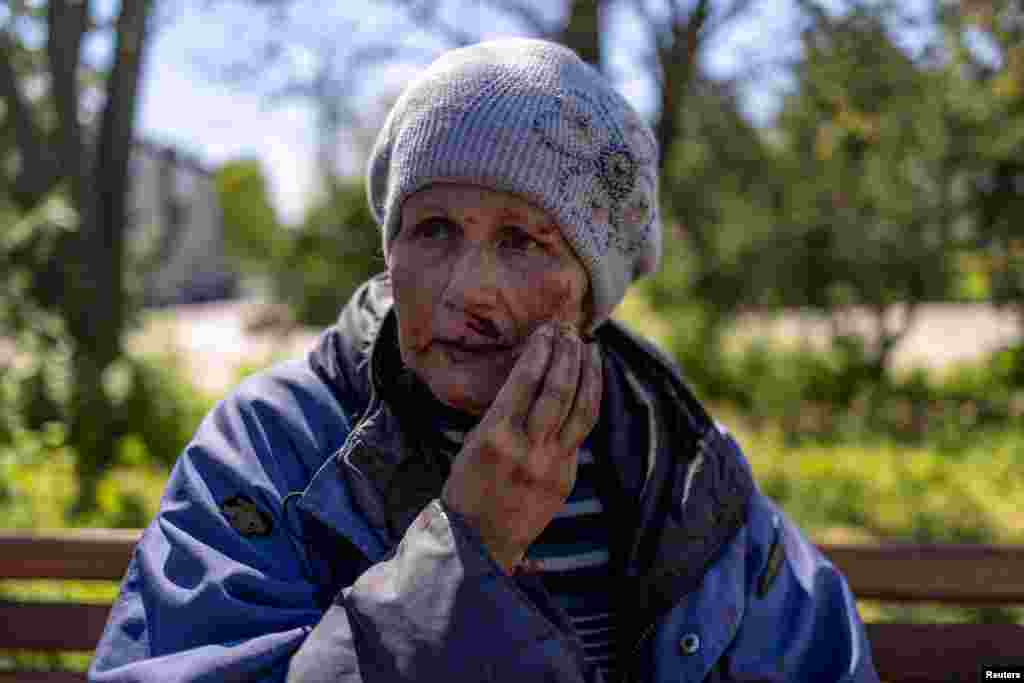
(177,230)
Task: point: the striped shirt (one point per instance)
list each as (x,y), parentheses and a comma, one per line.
(573,559)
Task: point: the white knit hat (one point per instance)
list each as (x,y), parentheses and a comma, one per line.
(531,118)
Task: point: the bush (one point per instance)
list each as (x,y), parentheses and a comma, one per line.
(159,410)
(162,410)
(335,249)
(838,396)
(890,492)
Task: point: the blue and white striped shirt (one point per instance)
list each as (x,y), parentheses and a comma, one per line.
(572,555)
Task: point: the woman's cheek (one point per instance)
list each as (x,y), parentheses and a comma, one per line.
(560,297)
(413,305)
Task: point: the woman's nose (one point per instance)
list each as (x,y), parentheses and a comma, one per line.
(474,279)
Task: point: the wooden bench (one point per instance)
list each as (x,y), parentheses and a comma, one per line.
(952,574)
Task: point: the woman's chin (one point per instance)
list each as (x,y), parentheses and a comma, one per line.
(472,400)
(467,387)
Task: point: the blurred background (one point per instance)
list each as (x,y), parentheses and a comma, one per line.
(182,203)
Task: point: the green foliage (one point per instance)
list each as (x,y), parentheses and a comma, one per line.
(987,106)
(870,162)
(335,249)
(887,491)
(162,409)
(313,267)
(35,365)
(874,187)
(834,396)
(158,411)
(718,194)
(253,236)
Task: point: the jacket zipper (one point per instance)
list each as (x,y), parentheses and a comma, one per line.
(628,671)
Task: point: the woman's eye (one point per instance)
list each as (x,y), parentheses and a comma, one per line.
(434,228)
(520,241)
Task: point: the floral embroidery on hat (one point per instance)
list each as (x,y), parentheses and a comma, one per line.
(617,169)
(582,129)
(635,210)
(570,126)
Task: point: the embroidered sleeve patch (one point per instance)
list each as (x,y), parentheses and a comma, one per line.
(245,517)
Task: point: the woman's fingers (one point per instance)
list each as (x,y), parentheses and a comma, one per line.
(518,466)
(514,400)
(587,407)
(559,389)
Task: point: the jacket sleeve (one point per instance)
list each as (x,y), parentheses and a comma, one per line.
(203,602)
(205,599)
(439,608)
(801,621)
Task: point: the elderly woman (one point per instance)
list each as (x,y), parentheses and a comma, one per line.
(477,475)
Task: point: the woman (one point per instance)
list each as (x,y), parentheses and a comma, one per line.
(476,475)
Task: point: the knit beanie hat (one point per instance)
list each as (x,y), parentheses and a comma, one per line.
(531,118)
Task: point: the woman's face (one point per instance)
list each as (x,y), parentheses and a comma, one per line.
(474,272)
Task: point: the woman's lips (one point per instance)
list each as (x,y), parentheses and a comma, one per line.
(461,353)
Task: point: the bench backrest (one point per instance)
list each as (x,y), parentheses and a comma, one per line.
(952,574)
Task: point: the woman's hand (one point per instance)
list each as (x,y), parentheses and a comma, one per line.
(518,466)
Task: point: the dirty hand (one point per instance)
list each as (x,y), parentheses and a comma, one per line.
(518,466)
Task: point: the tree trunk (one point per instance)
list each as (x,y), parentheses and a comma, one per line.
(678,62)
(94,430)
(97,319)
(582,31)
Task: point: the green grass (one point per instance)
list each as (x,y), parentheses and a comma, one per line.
(887,492)
(881,492)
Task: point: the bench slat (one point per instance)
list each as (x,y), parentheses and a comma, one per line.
(51,625)
(955,574)
(42,677)
(913,653)
(77,554)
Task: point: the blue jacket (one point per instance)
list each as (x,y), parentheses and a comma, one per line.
(301,538)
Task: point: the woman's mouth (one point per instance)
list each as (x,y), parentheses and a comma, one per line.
(462,353)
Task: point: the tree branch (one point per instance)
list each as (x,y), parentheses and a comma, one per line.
(67,25)
(38,173)
(118,115)
(739,7)
(582,30)
(528,14)
(678,59)
(102,227)
(424,15)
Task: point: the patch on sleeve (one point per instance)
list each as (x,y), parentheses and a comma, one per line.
(245,517)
